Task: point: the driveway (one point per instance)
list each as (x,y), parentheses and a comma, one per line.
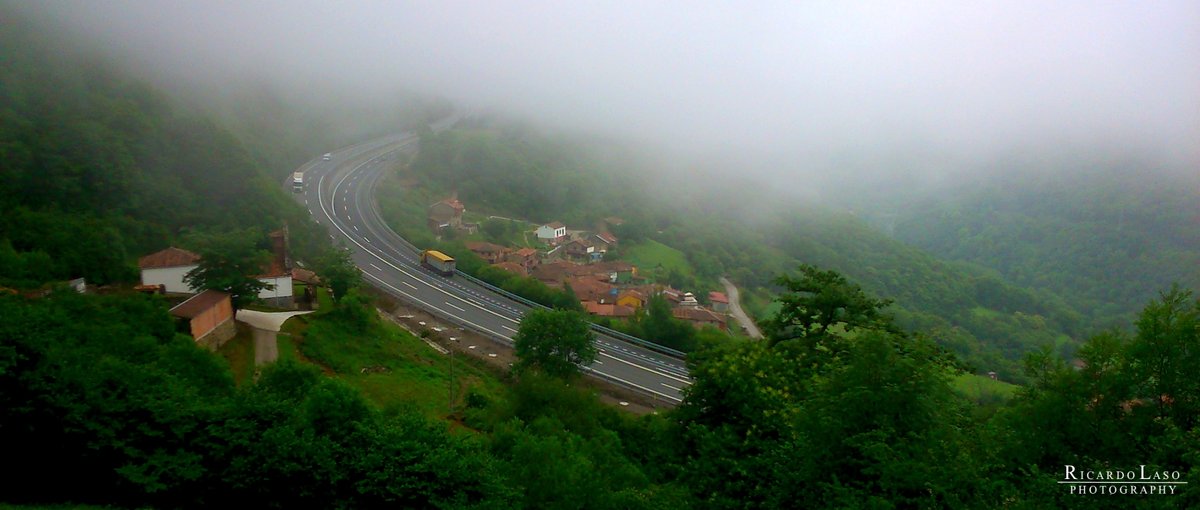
(266,325)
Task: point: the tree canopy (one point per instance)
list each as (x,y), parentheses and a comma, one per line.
(555,342)
(229,262)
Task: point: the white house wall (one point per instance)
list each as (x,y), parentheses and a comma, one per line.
(170,277)
(282,288)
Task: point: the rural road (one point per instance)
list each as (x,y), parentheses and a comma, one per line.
(735,306)
(266,326)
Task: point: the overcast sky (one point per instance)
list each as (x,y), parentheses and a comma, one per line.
(806,86)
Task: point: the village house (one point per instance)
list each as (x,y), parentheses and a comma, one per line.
(608,310)
(525,257)
(603,241)
(208,317)
(167,268)
(590,289)
(699,316)
(446,213)
(512,267)
(580,250)
(554,274)
(632,299)
(617,271)
(277,274)
(720,303)
(552,233)
(490,253)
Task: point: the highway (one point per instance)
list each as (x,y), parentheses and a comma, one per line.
(340,196)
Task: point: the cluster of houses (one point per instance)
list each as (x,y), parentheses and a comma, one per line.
(208,314)
(575,258)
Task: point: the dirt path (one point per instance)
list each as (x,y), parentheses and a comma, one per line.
(735,306)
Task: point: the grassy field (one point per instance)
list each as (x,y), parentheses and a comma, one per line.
(649,254)
(239,352)
(389,365)
(983,389)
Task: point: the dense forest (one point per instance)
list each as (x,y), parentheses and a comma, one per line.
(1105,236)
(847,404)
(101,167)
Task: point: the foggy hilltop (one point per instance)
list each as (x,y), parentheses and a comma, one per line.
(799,94)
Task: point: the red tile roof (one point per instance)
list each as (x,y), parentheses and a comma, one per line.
(170,257)
(305,276)
(485,247)
(199,304)
(526,252)
(556,225)
(718,297)
(697,314)
(587,289)
(607,237)
(608,310)
(511,267)
(455,203)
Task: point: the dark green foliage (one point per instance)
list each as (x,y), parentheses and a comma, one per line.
(658,325)
(818,299)
(338,271)
(147,418)
(100,169)
(1105,239)
(230,263)
(554,342)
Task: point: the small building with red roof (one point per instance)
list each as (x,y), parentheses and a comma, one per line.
(720,302)
(446,213)
(552,233)
(277,274)
(167,268)
(208,317)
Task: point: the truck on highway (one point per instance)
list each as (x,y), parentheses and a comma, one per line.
(297,182)
(439,262)
(328,156)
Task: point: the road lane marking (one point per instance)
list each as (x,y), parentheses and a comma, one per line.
(377,268)
(454,307)
(672,387)
(635,365)
(481,328)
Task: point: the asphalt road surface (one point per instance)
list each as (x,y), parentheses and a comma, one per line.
(340,195)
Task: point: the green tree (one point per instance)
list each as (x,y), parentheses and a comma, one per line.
(817,300)
(339,272)
(556,342)
(229,262)
(660,326)
(495,229)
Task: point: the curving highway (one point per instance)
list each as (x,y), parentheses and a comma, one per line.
(340,196)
